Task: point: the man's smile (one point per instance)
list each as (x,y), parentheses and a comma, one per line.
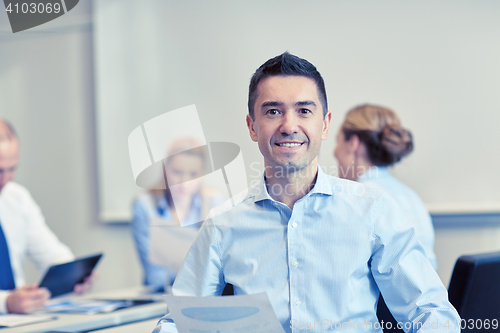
(289,144)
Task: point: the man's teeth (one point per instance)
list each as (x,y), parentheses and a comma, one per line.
(289,144)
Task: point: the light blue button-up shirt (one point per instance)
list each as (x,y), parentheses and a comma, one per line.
(411,203)
(144,208)
(323,263)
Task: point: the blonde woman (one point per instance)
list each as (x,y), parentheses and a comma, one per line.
(185,204)
(370,140)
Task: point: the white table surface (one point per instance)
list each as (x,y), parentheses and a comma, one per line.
(106,321)
(146,326)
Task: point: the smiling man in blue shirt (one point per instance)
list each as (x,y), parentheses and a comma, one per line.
(323,248)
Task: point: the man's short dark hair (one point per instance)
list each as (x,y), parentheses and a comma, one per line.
(286,64)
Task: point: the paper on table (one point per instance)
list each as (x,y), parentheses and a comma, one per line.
(85,306)
(245,313)
(13,320)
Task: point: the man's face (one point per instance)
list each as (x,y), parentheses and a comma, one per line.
(8,161)
(289,124)
(184,171)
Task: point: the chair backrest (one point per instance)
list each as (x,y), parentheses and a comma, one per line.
(475,290)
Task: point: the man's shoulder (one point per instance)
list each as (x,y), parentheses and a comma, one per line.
(351,189)
(235,203)
(15,190)
(15,197)
(341,189)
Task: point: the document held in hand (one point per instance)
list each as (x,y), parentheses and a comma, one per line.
(245,313)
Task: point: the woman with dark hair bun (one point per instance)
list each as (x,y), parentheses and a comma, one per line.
(371,139)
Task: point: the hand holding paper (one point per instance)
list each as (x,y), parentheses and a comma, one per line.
(246,313)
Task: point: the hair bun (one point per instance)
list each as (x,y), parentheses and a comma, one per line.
(397,142)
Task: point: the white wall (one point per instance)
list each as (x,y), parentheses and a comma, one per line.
(46,90)
(455,240)
(434,62)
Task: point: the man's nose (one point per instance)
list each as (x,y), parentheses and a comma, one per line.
(289,124)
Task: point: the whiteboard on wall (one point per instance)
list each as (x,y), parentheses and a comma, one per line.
(436,64)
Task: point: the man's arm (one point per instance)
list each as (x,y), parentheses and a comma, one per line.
(26,299)
(41,245)
(409,284)
(45,249)
(201,273)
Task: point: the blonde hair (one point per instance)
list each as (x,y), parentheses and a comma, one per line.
(187,145)
(380,129)
(183,145)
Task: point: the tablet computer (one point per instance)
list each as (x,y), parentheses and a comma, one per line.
(61,279)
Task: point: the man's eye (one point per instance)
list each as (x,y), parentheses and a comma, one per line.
(305,111)
(272,111)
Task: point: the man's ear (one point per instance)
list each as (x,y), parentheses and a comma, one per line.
(251,128)
(326,125)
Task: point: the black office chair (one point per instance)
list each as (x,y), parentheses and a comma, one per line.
(390,325)
(475,291)
(228,290)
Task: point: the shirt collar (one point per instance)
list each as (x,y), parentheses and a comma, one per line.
(322,186)
(375,172)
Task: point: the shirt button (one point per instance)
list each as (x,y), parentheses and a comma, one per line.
(294,224)
(297,302)
(295,263)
